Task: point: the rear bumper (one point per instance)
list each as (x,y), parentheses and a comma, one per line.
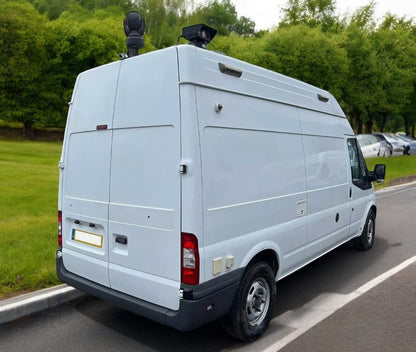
(201,303)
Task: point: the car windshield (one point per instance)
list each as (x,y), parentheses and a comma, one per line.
(406,138)
(393,136)
(366,139)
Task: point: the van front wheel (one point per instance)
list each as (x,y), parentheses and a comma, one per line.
(253,306)
(366,240)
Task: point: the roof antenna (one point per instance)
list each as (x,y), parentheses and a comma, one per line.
(134,29)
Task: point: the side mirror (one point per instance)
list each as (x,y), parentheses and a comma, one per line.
(378,174)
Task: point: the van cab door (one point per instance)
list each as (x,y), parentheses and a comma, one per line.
(361,192)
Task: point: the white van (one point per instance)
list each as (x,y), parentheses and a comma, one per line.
(190,182)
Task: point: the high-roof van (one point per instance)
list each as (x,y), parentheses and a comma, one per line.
(190,182)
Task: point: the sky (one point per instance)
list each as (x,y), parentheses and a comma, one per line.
(267,13)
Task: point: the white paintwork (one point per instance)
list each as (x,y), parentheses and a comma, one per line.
(270,170)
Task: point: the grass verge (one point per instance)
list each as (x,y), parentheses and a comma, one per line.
(28,207)
(396,167)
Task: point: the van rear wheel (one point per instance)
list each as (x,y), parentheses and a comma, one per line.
(252,309)
(366,240)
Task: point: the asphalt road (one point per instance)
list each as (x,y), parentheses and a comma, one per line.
(381,319)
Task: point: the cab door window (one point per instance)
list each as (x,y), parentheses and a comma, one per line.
(359,170)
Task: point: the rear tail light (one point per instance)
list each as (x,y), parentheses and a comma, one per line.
(190,259)
(59,228)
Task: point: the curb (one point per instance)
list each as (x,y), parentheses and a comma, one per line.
(17,307)
(402,180)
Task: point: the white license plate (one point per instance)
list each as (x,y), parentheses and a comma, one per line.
(87,238)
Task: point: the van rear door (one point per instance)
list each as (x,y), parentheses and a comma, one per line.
(85,174)
(145,183)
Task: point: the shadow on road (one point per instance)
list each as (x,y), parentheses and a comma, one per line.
(342,271)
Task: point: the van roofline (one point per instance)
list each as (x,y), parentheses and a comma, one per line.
(204,68)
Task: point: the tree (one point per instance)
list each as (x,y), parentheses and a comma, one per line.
(163,19)
(409,114)
(244,27)
(307,54)
(242,48)
(81,40)
(222,16)
(23,91)
(54,8)
(310,12)
(360,80)
(361,89)
(396,53)
(363,17)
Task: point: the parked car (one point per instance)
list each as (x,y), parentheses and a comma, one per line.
(395,144)
(410,140)
(384,148)
(370,145)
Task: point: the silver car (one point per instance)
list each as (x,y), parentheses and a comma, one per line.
(395,144)
(410,140)
(370,145)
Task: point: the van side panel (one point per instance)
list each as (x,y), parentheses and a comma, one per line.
(254,179)
(145,182)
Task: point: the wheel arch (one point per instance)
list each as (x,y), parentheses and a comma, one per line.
(370,207)
(268,255)
(374,209)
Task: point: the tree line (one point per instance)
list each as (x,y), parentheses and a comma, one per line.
(369,66)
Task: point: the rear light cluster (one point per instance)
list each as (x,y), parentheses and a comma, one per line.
(190,259)
(59,228)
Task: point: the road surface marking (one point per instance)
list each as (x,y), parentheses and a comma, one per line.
(323,306)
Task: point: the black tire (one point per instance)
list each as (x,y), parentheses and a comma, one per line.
(366,240)
(253,305)
(406,150)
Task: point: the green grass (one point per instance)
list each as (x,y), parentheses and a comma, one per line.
(396,167)
(28,215)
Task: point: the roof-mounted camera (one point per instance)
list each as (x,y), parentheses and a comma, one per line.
(199,35)
(134,29)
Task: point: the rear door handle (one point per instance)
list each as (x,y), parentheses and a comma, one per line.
(121,239)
